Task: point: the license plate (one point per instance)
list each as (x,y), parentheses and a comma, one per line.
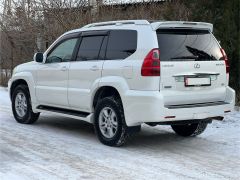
(197,81)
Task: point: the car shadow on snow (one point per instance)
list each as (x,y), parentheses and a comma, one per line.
(65,125)
(149,136)
(159,136)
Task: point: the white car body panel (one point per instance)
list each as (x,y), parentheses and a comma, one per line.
(26,72)
(142,106)
(83,77)
(172,75)
(52,79)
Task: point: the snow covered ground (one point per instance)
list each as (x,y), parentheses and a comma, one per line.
(62,148)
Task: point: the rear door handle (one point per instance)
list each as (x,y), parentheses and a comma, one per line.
(94,68)
(64,68)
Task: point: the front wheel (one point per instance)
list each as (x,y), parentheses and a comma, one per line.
(110,123)
(21,106)
(190,129)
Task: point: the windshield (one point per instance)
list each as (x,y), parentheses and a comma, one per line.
(187,45)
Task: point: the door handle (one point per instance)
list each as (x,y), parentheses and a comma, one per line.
(64,68)
(94,68)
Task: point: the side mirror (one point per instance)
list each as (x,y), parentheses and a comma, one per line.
(38,57)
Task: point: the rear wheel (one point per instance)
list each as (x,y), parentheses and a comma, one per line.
(110,123)
(22,107)
(190,129)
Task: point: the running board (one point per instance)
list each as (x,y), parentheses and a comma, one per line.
(64,111)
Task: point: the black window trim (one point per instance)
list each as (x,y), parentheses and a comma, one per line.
(105,48)
(95,33)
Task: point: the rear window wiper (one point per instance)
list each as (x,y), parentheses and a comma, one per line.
(185,57)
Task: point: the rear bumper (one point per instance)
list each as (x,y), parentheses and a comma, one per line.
(142,107)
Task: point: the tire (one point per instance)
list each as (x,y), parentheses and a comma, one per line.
(109,115)
(190,129)
(25,115)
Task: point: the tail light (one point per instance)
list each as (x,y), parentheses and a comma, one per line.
(151,64)
(226,60)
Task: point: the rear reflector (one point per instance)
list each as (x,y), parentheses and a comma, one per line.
(226,60)
(151,64)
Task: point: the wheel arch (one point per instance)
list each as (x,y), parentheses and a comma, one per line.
(24,78)
(16,83)
(104,91)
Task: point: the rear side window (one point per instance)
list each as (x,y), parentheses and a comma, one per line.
(187,45)
(121,44)
(90,48)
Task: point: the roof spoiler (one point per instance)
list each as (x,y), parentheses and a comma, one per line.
(181,24)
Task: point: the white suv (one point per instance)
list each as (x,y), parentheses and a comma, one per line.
(120,74)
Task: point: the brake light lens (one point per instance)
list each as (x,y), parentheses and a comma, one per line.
(226,60)
(151,64)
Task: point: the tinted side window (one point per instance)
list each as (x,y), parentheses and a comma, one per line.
(63,52)
(187,45)
(90,48)
(121,44)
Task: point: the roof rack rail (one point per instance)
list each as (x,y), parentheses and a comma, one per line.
(118,23)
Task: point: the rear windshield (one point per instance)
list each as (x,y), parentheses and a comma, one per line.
(187,45)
